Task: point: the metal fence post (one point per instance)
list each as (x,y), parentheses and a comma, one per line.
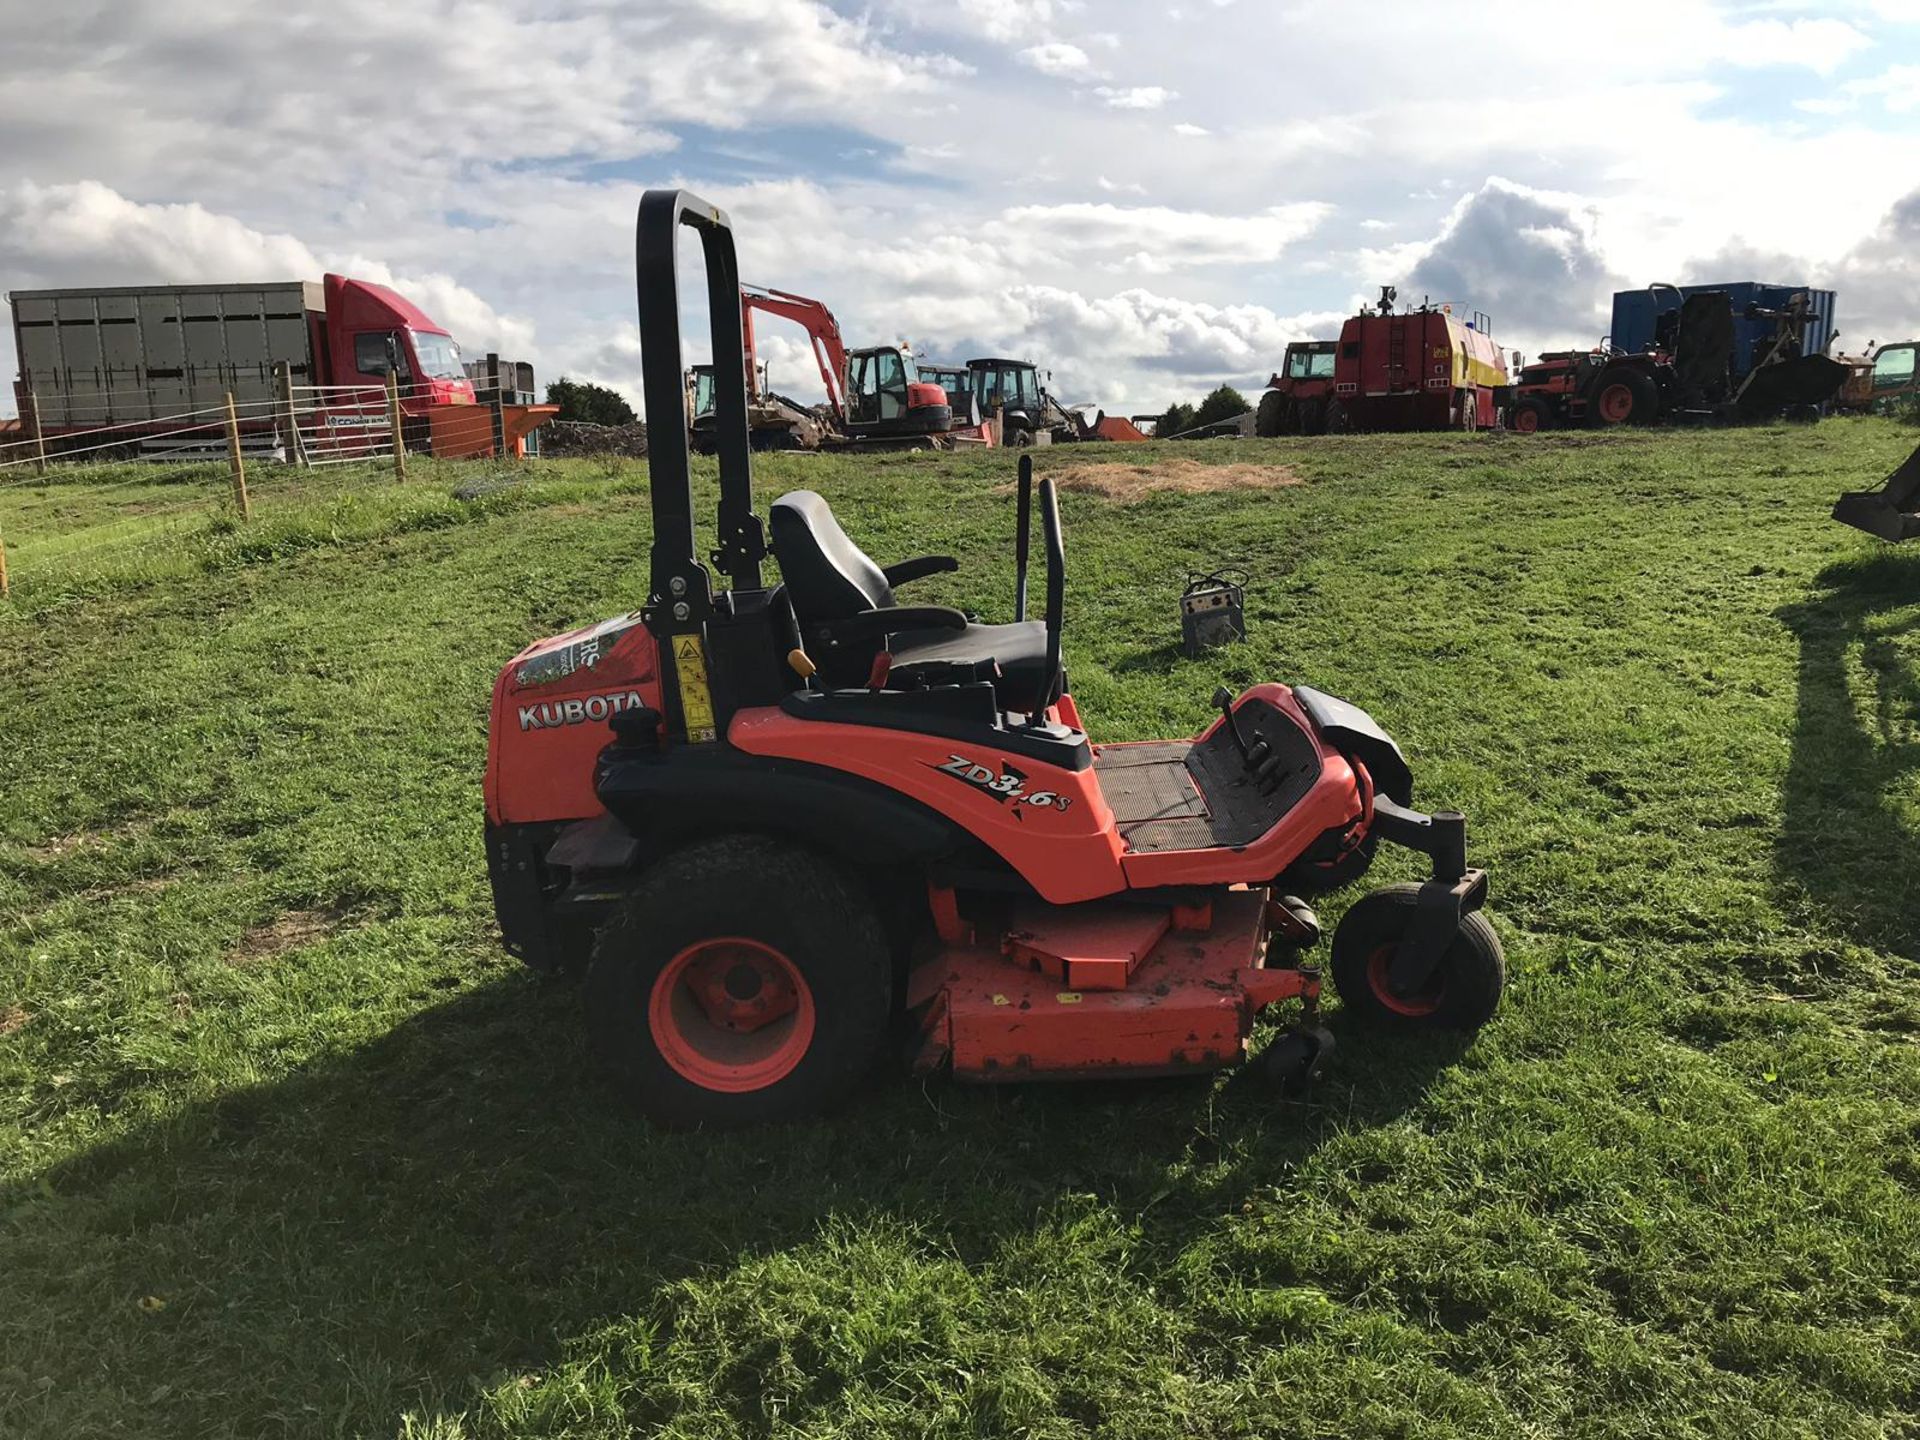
(296,450)
(238,466)
(395,427)
(30,412)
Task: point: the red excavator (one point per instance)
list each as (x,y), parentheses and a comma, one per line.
(876,394)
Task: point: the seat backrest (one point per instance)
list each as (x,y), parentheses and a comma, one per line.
(828,577)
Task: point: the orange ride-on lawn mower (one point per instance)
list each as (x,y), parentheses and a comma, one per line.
(782,824)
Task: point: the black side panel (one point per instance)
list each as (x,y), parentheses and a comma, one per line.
(698,789)
(522,888)
(1352,731)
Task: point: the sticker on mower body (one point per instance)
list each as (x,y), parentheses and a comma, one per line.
(581,654)
(1007,785)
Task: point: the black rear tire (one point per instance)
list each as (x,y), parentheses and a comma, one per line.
(1530,414)
(775,899)
(1273,418)
(1635,401)
(1463,991)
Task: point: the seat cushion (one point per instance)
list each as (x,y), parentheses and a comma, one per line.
(1020,650)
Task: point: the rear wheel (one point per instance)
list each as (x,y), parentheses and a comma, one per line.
(1271,418)
(1469,411)
(1462,992)
(744,981)
(1625,396)
(1529,415)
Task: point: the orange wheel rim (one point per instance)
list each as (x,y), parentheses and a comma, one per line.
(1616,403)
(1379,973)
(1527,421)
(731,1015)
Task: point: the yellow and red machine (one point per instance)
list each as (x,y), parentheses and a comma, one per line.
(1423,369)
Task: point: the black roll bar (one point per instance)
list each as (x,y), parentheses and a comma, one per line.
(678,577)
(1023,526)
(1056,588)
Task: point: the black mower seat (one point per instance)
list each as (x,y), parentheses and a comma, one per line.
(835,588)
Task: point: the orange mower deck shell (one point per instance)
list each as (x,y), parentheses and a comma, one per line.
(996,1013)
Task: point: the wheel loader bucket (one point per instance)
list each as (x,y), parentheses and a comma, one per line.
(1893,511)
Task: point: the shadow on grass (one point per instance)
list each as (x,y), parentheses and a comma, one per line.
(1848,840)
(396,1227)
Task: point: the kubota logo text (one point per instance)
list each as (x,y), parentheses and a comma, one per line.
(552,713)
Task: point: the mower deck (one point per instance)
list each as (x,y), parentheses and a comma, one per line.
(1102,989)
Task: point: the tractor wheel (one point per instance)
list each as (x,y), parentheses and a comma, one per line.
(1312,418)
(1529,415)
(743,981)
(1461,994)
(1339,422)
(1469,411)
(1624,396)
(1317,877)
(1271,419)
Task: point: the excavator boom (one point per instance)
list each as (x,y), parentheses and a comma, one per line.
(829,350)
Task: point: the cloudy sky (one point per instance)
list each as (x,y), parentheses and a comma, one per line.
(1146,197)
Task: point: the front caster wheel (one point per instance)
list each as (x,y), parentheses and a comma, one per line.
(744,981)
(1293,1061)
(1462,992)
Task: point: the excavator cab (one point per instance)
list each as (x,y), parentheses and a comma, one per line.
(885,392)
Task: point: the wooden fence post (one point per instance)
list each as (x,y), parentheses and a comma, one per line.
(234,461)
(296,450)
(395,426)
(30,412)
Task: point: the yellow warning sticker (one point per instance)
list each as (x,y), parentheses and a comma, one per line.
(696,701)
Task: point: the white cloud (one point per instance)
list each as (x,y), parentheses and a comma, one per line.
(1056,57)
(1137,97)
(1817,45)
(1154,239)
(1190,130)
(1004,20)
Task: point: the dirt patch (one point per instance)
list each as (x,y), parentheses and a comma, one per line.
(281,934)
(59,847)
(1116,481)
(12,1017)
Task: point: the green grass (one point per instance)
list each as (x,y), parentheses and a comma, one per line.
(289,1147)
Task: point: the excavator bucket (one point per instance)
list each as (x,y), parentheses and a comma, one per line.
(1893,511)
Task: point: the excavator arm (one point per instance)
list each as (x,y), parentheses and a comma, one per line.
(829,350)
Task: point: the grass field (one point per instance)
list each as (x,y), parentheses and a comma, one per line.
(289,1147)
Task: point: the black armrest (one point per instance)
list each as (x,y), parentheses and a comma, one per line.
(919,569)
(872,624)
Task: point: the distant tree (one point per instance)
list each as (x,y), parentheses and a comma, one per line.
(1223,404)
(1179,417)
(589,403)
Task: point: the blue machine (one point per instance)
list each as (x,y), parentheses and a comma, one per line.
(1636,313)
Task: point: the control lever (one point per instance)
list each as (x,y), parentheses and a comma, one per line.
(1223,702)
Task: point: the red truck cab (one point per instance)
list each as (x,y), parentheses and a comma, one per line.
(368,329)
